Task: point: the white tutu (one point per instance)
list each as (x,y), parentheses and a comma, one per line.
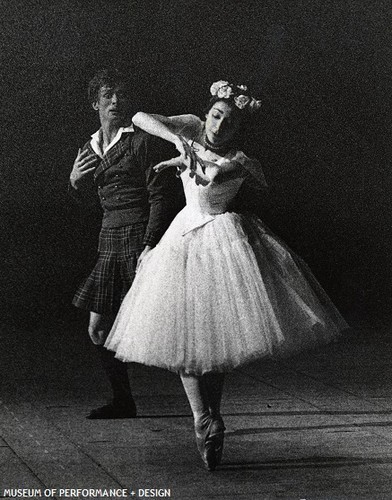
(220,289)
(212,297)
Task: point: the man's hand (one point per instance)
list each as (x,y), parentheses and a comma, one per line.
(99,327)
(82,166)
(147,249)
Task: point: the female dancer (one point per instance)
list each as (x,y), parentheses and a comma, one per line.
(219,289)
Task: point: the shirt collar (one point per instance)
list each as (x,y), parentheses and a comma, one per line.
(96,140)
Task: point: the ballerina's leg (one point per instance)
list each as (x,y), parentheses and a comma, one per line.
(204,394)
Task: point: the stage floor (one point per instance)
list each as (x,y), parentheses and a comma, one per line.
(317,426)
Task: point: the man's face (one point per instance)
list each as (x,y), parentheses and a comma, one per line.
(112,105)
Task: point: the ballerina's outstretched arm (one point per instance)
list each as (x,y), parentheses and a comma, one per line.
(167,128)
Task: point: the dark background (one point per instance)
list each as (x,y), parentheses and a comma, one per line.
(322,69)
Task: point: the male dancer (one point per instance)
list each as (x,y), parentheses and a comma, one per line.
(138,205)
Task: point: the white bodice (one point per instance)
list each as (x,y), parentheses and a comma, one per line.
(205,201)
(215,197)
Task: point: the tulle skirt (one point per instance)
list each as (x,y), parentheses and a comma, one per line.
(221,295)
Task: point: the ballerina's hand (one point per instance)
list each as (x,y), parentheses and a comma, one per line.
(183,147)
(177,162)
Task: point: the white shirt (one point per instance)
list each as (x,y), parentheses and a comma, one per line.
(96,139)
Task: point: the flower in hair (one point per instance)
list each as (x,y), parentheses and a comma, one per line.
(221,84)
(254,105)
(225,90)
(241,101)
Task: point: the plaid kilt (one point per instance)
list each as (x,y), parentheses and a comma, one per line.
(113,274)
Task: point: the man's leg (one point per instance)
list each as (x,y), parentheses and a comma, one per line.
(123,405)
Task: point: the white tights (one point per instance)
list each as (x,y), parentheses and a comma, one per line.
(204,395)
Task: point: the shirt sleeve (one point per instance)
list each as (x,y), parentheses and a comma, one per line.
(164,188)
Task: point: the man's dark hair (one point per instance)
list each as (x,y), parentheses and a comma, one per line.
(108,77)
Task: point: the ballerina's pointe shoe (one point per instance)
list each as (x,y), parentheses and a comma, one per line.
(209,442)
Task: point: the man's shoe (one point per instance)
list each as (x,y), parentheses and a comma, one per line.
(112,411)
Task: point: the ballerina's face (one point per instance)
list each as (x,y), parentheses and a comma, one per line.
(222,123)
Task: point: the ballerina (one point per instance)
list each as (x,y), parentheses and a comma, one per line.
(220,289)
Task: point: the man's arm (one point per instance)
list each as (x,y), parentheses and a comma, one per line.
(164,189)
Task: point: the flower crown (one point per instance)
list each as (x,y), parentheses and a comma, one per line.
(238,93)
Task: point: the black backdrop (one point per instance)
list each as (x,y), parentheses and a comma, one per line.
(322,68)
